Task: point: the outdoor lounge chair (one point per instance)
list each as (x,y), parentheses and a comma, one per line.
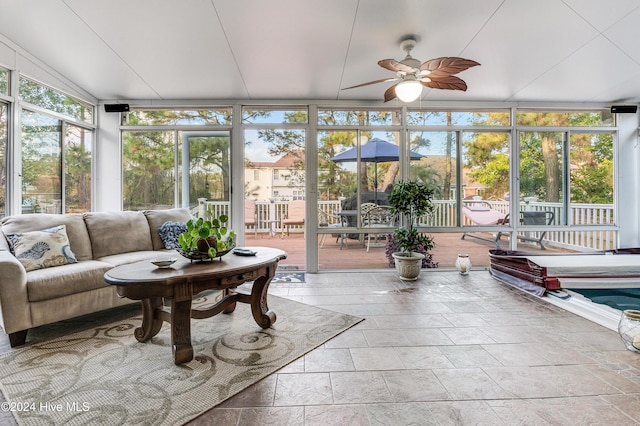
(295,215)
(482,213)
(531,218)
(250,216)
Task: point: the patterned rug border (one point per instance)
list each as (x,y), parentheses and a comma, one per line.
(289,277)
(79,378)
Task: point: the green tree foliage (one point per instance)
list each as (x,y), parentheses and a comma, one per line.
(149,158)
(77,171)
(541,158)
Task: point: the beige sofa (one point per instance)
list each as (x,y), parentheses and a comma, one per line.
(99,241)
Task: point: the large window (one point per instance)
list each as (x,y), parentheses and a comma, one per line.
(3,157)
(165,164)
(41,163)
(56,151)
(4,81)
(44,97)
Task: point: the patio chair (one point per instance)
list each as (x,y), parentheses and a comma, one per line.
(480,212)
(250,216)
(329,220)
(531,218)
(295,215)
(377,222)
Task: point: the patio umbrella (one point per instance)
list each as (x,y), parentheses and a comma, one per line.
(374,151)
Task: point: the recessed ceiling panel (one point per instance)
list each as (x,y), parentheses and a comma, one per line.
(295,50)
(583,79)
(522,41)
(177,48)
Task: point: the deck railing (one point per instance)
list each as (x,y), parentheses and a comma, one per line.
(269,215)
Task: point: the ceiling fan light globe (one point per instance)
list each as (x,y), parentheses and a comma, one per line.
(408,90)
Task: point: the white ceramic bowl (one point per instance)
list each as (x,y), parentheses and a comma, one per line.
(164,262)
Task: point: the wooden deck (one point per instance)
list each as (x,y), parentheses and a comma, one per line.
(354,255)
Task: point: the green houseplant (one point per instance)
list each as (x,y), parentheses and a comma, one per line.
(206,239)
(410,200)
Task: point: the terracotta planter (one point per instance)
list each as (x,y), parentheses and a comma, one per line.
(408,266)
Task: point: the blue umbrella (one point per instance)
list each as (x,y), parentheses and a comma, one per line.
(374,151)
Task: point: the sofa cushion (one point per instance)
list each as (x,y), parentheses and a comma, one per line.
(117,232)
(122,258)
(157,218)
(51,283)
(42,249)
(75,227)
(169,233)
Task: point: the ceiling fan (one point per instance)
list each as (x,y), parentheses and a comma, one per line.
(436,73)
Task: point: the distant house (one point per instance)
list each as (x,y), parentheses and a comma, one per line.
(282,180)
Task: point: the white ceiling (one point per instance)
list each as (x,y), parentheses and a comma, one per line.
(542,50)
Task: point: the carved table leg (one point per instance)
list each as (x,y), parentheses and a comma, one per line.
(151,321)
(181,325)
(232,305)
(259,308)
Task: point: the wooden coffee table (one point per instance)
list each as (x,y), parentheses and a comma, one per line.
(185,279)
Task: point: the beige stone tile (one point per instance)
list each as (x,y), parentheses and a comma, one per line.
(359,387)
(562,411)
(464,356)
(411,321)
(467,336)
(268,416)
(375,359)
(326,360)
(628,404)
(627,380)
(415,385)
(470,383)
(462,319)
(303,389)
(549,381)
(431,307)
(381,338)
(257,395)
(422,357)
(296,366)
(464,413)
(416,413)
(523,354)
(349,339)
(425,337)
(217,416)
(322,415)
(513,333)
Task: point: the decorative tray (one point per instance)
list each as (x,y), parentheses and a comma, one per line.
(201,255)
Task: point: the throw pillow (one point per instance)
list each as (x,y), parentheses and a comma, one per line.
(169,232)
(42,249)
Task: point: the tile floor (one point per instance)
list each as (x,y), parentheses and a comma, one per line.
(444,350)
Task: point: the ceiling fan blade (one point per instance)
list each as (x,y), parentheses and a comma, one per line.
(390,93)
(448,82)
(384,80)
(393,65)
(447,66)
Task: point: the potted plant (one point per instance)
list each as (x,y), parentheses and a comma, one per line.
(206,239)
(410,200)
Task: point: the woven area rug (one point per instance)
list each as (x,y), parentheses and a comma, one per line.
(104,376)
(289,277)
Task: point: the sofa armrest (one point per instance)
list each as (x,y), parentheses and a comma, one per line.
(15,313)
